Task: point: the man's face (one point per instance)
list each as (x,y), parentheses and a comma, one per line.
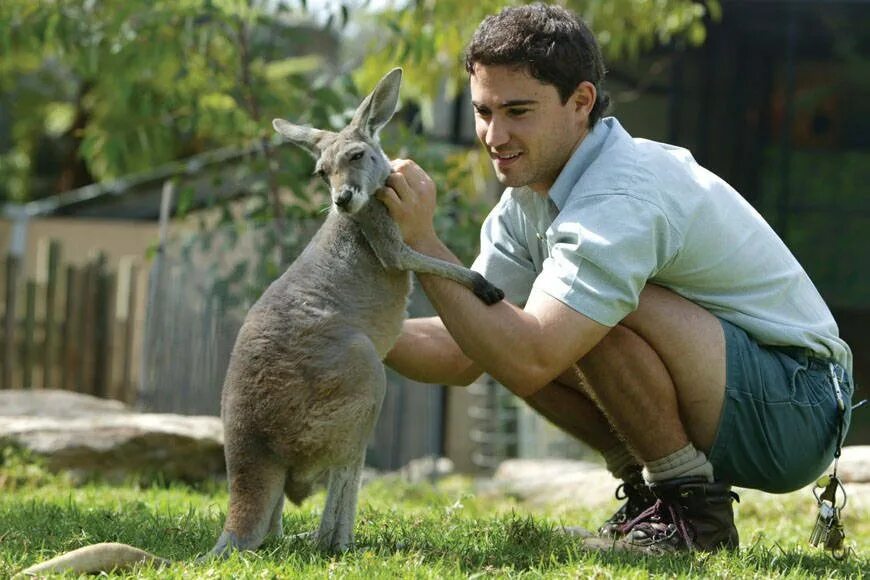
(527,131)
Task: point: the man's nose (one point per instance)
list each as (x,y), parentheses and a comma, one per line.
(496,134)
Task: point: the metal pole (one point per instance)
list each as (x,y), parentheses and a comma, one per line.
(152,313)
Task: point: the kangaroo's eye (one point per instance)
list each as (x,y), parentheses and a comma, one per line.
(321,174)
(357,156)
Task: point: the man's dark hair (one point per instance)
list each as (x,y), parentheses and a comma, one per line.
(553,43)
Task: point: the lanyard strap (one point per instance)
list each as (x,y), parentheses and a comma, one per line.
(841,411)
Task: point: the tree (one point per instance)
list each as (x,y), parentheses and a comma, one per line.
(98,89)
(428,37)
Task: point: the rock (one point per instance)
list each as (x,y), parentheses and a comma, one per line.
(426,469)
(854,464)
(89,436)
(562,482)
(567,483)
(55,403)
(115,446)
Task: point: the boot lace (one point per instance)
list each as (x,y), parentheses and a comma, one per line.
(663,523)
(635,503)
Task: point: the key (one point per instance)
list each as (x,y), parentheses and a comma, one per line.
(824,522)
(828,530)
(835,536)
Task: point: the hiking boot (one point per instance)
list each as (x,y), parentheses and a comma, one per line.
(689,514)
(638,498)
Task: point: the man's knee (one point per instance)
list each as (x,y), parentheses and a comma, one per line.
(618,344)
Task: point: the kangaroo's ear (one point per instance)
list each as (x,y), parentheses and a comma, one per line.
(310,139)
(378,108)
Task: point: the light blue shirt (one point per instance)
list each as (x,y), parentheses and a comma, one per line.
(626,211)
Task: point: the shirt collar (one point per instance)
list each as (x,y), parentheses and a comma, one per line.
(581,159)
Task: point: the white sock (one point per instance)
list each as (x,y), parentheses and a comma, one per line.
(620,462)
(685,462)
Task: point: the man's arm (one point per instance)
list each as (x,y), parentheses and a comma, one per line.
(426,352)
(524,349)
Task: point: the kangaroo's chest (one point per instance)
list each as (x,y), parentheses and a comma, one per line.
(383,309)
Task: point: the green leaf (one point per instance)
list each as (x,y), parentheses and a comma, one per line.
(217,102)
(292,66)
(697,33)
(59,118)
(185,201)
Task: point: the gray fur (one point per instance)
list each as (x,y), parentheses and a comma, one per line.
(306,378)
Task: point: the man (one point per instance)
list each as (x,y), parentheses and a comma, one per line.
(651,312)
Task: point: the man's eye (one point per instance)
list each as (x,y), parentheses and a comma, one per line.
(517,112)
(357,156)
(481,112)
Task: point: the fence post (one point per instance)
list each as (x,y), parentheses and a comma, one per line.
(29,326)
(103,315)
(50,341)
(86,317)
(12,266)
(68,347)
(125,314)
(17,246)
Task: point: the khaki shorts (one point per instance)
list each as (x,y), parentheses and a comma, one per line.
(780,417)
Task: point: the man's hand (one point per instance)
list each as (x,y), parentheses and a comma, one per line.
(410,197)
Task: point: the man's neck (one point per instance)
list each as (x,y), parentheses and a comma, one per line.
(543,189)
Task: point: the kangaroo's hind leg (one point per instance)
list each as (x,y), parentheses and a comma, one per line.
(276,524)
(256,499)
(335,533)
(366,381)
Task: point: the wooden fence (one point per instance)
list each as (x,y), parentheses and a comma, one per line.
(69,327)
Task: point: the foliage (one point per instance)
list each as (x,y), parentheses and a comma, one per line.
(132,84)
(99,89)
(20,469)
(405,530)
(95,90)
(428,38)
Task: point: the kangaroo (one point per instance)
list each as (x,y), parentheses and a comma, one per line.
(306,379)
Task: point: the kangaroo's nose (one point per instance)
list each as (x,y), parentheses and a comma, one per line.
(343,198)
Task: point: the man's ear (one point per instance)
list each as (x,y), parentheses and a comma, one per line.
(584,97)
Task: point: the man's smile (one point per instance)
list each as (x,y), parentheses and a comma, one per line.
(505,159)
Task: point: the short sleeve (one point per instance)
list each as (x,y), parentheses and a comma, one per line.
(602,251)
(504,260)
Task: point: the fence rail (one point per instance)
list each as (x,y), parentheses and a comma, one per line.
(70,327)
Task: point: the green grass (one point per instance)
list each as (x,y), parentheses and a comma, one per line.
(403,530)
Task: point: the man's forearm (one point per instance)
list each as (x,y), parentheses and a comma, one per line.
(426,352)
(500,338)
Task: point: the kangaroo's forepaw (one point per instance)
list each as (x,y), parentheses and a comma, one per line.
(487,292)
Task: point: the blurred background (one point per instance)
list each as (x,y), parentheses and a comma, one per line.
(146,202)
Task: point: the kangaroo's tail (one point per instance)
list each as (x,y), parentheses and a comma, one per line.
(96,558)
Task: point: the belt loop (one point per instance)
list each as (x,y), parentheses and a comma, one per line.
(837,390)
